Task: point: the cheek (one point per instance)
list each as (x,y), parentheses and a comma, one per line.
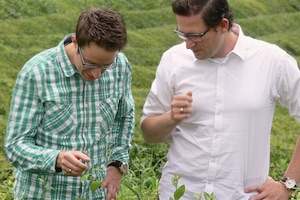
(79,69)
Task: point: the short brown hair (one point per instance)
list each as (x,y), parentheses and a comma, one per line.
(104,27)
(212,11)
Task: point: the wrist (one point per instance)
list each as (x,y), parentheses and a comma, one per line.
(288,183)
(121,166)
(58,168)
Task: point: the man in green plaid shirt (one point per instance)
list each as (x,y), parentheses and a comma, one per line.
(72,111)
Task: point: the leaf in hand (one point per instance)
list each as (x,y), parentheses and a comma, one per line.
(95,184)
(84,177)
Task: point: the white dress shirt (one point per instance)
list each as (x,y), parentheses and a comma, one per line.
(225,144)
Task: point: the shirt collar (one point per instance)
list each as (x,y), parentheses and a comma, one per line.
(63,59)
(239,48)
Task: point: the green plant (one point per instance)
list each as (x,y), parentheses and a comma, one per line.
(94,183)
(6,188)
(150,27)
(45,186)
(179,191)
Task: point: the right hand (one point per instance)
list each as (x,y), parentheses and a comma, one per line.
(181,107)
(71,162)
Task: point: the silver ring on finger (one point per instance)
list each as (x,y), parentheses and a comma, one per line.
(181,110)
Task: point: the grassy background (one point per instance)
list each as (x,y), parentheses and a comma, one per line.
(30,26)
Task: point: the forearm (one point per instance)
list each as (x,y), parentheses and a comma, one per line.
(121,137)
(157,128)
(31,158)
(294,166)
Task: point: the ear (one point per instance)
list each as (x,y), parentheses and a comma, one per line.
(74,39)
(224,25)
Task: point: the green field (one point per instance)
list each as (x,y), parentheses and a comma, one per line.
(30,26)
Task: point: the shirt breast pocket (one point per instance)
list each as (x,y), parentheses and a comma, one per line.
(59,118)
(106,114)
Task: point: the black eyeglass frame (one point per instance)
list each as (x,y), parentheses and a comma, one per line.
(184,36)
(96,66)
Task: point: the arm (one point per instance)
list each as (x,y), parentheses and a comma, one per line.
(157,128)
(287,87)
(25,117)
(121,134)
(272,189)
(123,125)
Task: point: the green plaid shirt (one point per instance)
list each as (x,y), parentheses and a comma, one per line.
(53,109)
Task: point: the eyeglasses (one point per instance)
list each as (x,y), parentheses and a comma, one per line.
(195,37)
(95,66)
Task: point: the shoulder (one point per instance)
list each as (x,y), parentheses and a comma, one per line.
(39,65)
(40,60)
(176,56)
(178,51)
(263,48)
(123,62)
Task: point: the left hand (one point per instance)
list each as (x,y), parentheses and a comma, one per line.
(112,182)
(270,190)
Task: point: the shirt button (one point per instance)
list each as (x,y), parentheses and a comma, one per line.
(60,107)
(86,105)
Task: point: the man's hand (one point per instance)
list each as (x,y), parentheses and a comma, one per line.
(112,182)
(181,106)
(270,190)
(71,162)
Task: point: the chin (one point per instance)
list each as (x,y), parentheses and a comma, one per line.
(200,57)
(90,80)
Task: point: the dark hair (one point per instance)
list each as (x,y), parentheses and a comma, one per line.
(212,11)
(104,27)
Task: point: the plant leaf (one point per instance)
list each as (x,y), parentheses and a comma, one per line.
(197,196)
(95,184)
(179,192)
(42,180)
(84,177)
(50,187)
(174,180)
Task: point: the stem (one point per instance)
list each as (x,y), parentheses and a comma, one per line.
(130,188)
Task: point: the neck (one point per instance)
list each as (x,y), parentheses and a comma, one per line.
(229,43)
(71,53)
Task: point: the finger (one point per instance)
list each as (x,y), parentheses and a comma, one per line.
(252,188)
(81,156)
(71,172)
(111,194)
(104,184)
(258,197)
(73,163)
(183,97)
(189,93)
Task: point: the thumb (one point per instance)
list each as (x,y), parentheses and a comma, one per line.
(189,93)
(103,185)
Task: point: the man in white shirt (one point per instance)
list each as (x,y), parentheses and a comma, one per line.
(214,97)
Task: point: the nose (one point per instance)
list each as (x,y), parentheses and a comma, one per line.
(189,43)
(96,73)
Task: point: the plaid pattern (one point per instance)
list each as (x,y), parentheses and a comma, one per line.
(54,109)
